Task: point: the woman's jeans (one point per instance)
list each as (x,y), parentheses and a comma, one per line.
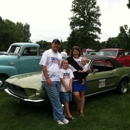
(53,93)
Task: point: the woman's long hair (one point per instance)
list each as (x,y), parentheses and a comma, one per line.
(75,48)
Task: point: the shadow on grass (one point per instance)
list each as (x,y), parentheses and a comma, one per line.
(24,109)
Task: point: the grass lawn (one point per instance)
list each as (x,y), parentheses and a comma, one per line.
(108,111)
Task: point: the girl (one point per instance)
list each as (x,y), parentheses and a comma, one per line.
(66,77)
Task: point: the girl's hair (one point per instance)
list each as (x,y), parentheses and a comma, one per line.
(63,61)
(75,48)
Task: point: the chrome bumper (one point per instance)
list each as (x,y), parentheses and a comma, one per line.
(26,100)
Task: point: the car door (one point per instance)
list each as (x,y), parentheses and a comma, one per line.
(101,78)
(121,58)
(29,61)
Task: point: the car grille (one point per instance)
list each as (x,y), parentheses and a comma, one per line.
(18,91)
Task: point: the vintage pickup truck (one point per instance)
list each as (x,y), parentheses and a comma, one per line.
(116,53)
(20,58)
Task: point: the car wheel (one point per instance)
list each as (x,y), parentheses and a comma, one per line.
(3,82)
(123,86)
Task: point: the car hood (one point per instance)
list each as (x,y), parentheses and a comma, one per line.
(7,59)
(28,80)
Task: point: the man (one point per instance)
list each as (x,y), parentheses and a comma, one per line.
(84,51)
(50,63)
(64,54)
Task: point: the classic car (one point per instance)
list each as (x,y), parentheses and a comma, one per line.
(106,74)
(116,53)
(93,53)
(127,53)
(18,59)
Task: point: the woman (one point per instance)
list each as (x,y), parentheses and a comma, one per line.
(78,88)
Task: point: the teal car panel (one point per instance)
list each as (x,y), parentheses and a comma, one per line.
(11,70)
(31,65)
(20,58)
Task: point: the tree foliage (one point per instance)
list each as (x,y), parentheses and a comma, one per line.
(11,32)
(44,45)
(84,23)
(121,41)
(128,5)
(124,37)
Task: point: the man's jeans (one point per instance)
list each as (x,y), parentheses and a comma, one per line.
(53,93)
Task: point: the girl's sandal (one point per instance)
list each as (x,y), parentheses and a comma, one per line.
(81,114)
(70,118)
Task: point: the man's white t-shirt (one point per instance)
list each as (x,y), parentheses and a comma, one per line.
(52,61)
(66,75)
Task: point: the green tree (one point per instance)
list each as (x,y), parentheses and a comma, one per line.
(72,39)
(103,44)
(97,46)
(124,37)
(84,23)
(19,34)
(11,32)
(44,45)
(65,45)
(113,42)
(2,34)
(26,31)
(121,41)
(128,5)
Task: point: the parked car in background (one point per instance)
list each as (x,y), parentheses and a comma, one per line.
(106,74)
(20,58)
(93,53)
(87,51)
(116,53)
(127,53)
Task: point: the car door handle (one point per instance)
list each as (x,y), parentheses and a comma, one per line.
(37,58)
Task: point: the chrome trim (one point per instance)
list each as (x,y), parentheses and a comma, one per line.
(100,92)
(1,82)
(27,100)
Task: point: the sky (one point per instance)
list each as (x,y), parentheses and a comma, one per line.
(49,19)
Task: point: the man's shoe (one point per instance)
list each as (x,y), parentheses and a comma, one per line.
(65,121)
(60,122)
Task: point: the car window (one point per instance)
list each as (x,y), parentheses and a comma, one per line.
(101,65)
(14,49)
(30,51)
(120,54)
(107,53)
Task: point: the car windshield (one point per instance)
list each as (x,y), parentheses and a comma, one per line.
(13,50)
(107,53)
